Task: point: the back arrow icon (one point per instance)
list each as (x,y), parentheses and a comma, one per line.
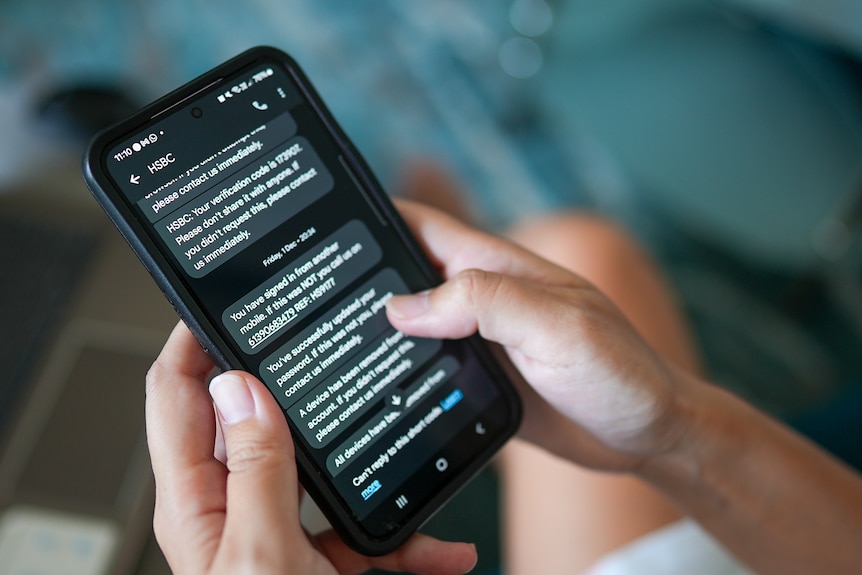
(135,179)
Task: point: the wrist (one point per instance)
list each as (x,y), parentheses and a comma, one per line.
(696,416)
(712,429)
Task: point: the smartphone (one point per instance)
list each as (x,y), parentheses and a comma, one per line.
(272,239)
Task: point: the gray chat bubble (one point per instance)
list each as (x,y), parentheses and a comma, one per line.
(336,402)
(318,350)
(301,286)
(432,378)
(218,223)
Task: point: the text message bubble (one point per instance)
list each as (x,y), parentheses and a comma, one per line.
(336,402)
(320,349)
(301,286)
(219,222)
(386,455)
(399,403)
(170,196)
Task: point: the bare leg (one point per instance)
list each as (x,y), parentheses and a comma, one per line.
(561,518)
(426,182)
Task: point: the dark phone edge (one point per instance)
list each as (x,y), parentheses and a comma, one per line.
(185,304)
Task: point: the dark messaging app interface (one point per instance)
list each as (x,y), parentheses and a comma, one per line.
(258,211)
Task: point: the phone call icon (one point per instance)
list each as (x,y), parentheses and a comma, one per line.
(258,106)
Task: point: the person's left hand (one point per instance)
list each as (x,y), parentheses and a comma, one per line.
(242,516)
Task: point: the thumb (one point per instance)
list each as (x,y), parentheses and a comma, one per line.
(501,308)
(262,502)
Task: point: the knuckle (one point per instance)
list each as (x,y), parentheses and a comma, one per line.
(164,522)
(468,282)
(156,374)
(246,454)
(157,377)
(481,288)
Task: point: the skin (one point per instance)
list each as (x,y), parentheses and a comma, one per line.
(598,395)
(561,517)
(238,512)
(595,393)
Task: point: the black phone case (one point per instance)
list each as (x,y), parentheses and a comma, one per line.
(187,307)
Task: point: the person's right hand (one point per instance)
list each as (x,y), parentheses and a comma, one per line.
(605,399)
(599,396)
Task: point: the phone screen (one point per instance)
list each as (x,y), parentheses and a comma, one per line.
(271,228)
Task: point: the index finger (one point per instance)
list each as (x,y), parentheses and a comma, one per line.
(178,407)
(456,247)
(190,482)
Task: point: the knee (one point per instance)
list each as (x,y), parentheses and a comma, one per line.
(588,244)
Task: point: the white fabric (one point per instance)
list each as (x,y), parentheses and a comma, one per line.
(682,548)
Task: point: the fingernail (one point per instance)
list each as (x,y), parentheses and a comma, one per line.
(409,306)
(232,398)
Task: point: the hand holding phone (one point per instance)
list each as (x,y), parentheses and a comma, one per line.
(272,239)
(259,523)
